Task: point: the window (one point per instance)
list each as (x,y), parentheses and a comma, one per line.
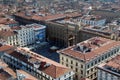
(76,69)
(71,62)
(112,53)
(92,64)
(66,60)
(69,73)
(91,76)
(92,70)
(105,56)
(62,58)
(109,54)
(67,65)
(88,72)
(102,58)
(88,66)
(95,62)
(94,74)
(117,50)
(76,64)
(76,77)
(81,71)
(64,75)
(81,66)
(59,79)
(99,60)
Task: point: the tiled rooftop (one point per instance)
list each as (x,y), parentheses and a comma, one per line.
(90,48)
(5,48)
(46,17)
(2,64)
(112,66)
(7,33)
(5,71)
(4,75)
(114,63)
(10,71)
(7,21)
(44,64)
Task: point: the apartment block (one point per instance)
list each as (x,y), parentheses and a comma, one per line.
(40,32)
(9,37)
(84,56)
(92,20)
(34,64)
(23,35)
(26,35)
(8,73)
(109,70)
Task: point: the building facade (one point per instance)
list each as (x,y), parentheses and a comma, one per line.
(38,66)
(26,35)
(9,22)
(18,36)
(62,34)
(109,31)
(93,21)
(4,27)
(109,70)
(83,57)
(6,72)
(9,37)
(40,32)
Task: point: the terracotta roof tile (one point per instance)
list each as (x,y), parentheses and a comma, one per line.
(22,14)
(55,71)
(7,21)
(4,75)
(6,33)
(114,63)
(47,17)
(96,50)
(5,48)
(10,71)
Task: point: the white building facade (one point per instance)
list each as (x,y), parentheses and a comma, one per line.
(26,36)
